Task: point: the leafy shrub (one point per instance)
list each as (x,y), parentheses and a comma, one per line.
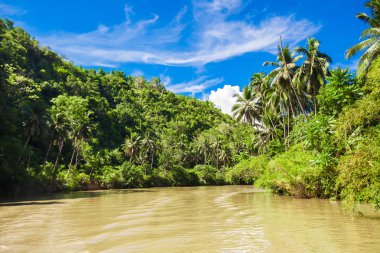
(364,113)
(112,177)
(47,176)
(206,174)
(314,133)
(134,175)
(359,171)
(247,171)
(341,90)
(161,178)
(184,177)
(297,172)
(73,179)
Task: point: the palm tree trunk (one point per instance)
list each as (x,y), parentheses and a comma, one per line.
(315,104)
(292,109)
(290,79)
(48,151)
(27,166)
(283,125)
(76,158)
(59,153)
(26,143)
(151,162)
(286,140)
(72,154)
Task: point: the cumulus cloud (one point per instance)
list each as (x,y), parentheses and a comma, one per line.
(214,35)
(223,98)
(194,86)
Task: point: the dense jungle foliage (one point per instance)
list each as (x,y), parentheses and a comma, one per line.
(65,127)
(318,129)
(301,129)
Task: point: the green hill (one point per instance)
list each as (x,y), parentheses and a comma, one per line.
(66,127)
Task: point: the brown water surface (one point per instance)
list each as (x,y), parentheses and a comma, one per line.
(200,219)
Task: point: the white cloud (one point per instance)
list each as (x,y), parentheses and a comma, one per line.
(194,86)
(223,98)
(166,80)
(9,10)
(213,36)
(128,12)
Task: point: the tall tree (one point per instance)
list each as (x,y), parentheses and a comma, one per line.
(314,69)
(132,145)
(71,116)
(247,107)
(282,78)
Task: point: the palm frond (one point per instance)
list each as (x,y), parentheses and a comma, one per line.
(297,58)
(370,54)
(359,47)
(370,32)
(324,56)
(364,17)
(272,64)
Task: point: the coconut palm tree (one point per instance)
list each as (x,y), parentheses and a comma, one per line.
(259,83)
(314,69)
(271,129)
(247,107)
(282,78)
(131,146)
(371,36)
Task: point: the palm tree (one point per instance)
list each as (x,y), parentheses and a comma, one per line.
(147,148)
(203,147)
(270,130)
(259,83)
(314,70)
(131,146)
(371,44)
(247,107)
(282,77)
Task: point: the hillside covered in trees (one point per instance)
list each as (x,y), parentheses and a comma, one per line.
(302,128)
(65,127)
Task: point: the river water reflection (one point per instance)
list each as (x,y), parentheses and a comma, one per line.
(199,219)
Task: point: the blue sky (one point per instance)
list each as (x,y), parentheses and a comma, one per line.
(202,48)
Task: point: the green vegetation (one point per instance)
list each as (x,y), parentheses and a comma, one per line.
(324,124)
(304,129)
(65,127)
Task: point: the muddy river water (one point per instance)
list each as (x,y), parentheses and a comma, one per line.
(195,219)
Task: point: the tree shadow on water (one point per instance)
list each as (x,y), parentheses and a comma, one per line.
(54,198)
(31,203)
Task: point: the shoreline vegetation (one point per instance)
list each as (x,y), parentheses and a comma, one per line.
(302,129)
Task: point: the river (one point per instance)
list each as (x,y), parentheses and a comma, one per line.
(195,219)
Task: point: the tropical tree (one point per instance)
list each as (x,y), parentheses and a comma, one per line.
(34,123)
(132,145)
(314,69)
(371,36)
(270,130)
(247,107)
(259,83)
(70,115)
(282,79)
